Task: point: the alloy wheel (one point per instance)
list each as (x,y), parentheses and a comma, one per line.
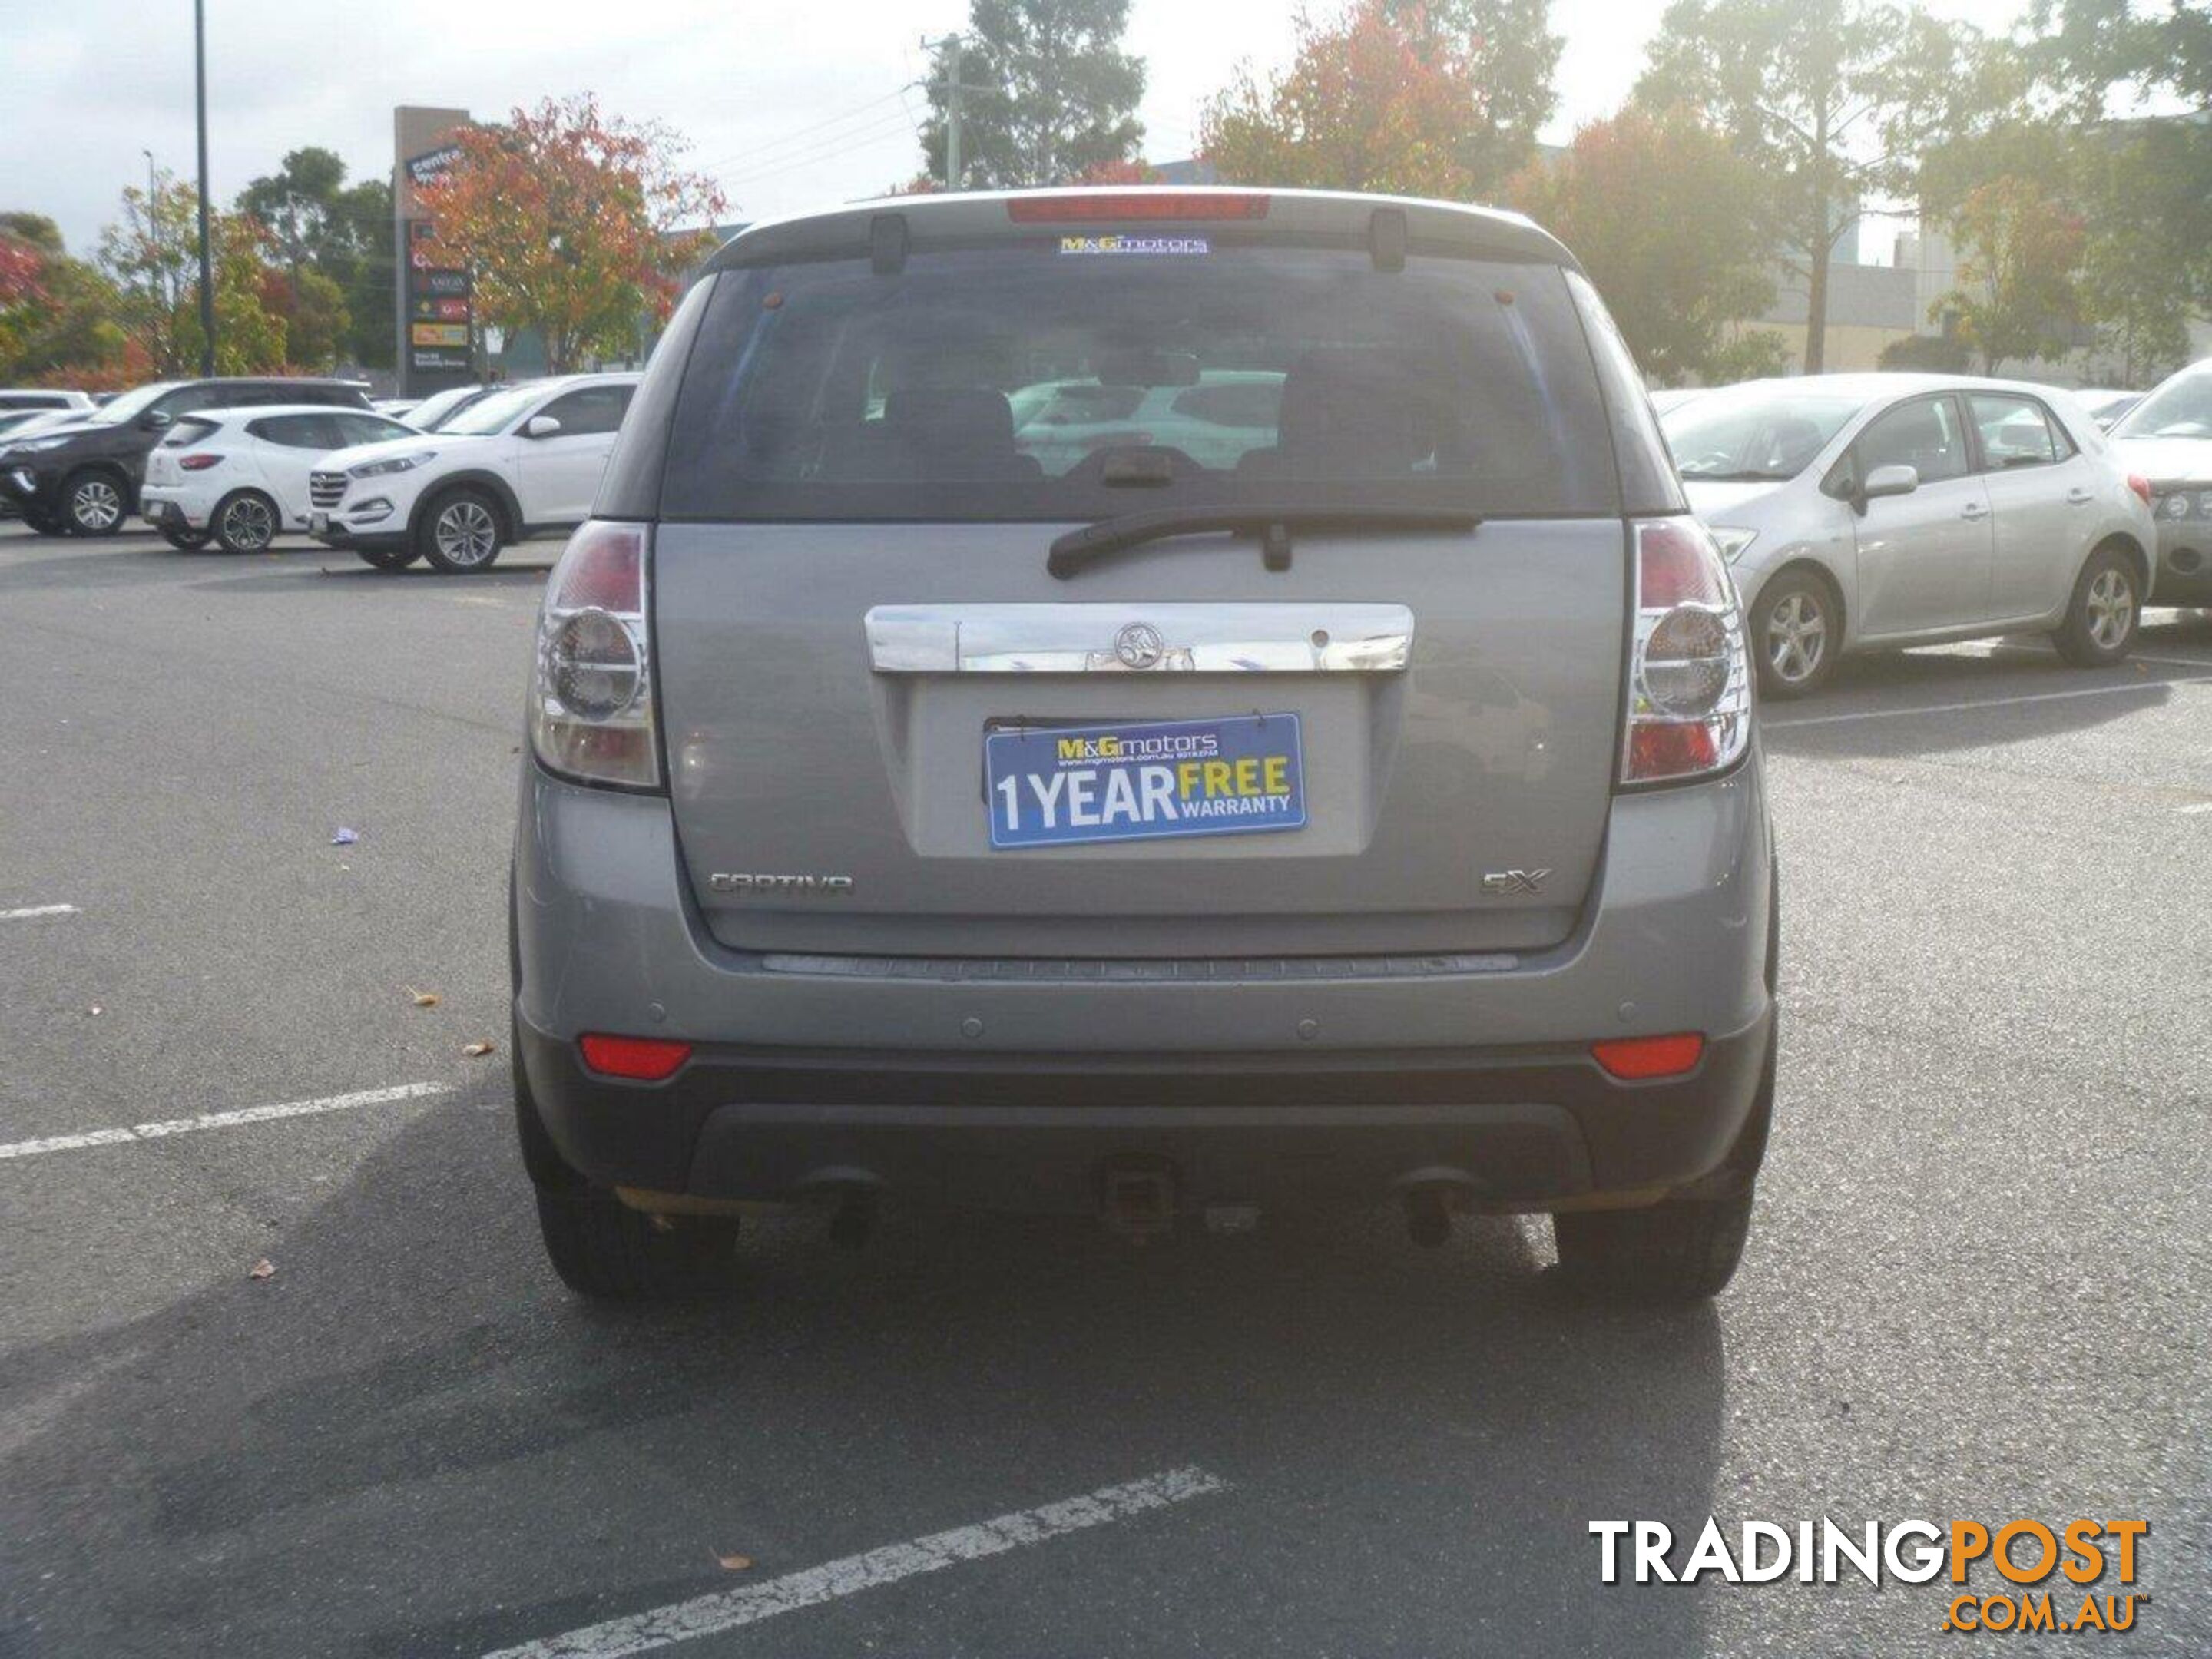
(249,524)
(467,533)
(95,506)
(2111,609)
(1797,637)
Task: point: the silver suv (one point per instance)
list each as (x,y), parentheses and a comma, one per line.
(1375,814)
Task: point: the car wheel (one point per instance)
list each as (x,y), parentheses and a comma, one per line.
(1796,633)
(1680,1250)
(93,503)
(389,558)
(599,1246)
(245,522)
(186,541)
(460,532)
(2100,622)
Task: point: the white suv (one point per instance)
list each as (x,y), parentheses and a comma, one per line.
(523,460)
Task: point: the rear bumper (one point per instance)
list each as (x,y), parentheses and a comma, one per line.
(1294,1080)
(1507,1130)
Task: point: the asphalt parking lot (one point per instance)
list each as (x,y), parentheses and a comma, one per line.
(1978,1283)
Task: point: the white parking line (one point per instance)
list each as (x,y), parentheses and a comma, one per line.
(184,1126)
(709,1615)
(28,911)
(2198,806)
(1983,702)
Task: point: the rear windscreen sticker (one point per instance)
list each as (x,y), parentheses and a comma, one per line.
(1134,245)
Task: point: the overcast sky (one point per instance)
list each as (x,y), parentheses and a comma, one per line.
(789,106)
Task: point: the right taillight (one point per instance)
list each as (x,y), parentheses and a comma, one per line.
(1689,677)
(591,695)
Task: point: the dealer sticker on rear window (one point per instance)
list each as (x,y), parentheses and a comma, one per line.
(1128,245)
(1057,786)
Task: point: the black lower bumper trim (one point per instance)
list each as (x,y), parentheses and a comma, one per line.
(1034,1133)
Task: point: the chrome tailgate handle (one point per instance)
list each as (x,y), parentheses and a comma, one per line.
(1258,638)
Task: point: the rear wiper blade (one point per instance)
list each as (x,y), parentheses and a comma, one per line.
(1272,524)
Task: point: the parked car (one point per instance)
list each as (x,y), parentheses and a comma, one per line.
(2168,438)
(522,461)
(41,397)
(908,817)
(395,407)
(440,407)
(1669,398)
(1865,511)
(2104,406)
(240,476)
(85,477)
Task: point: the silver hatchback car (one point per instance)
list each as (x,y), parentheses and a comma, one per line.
(1860,512)
(1373,815)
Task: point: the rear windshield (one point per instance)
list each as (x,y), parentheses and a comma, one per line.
(1054,380)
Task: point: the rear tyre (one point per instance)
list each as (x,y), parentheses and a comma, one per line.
(94,502)
(389,558)
(185,541)
(460,532)
(245,522)
(600,1246)
(2100,621)
(1797,629)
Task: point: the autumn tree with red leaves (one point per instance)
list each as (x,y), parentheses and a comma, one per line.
(1441,100)
(570,221)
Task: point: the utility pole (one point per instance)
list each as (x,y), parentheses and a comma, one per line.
(207,261)
(951,86)
(154,278)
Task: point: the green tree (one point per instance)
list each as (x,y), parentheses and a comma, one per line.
(1672,226)
(1055,95)
(2019,292)
(343,232)
(1833,100)
(151,255)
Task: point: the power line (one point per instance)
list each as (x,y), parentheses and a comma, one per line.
(845,145)
(799,133)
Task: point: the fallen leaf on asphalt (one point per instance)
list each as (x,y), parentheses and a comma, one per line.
(263,1268)
(476,1050)
(422,999)
(735,1563)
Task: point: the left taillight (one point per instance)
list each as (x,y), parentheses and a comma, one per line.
(198,463)
(591,694)
(1689,675)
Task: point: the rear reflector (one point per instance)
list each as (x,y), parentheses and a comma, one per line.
(1644,1057)
(645,1060)
(1093,207)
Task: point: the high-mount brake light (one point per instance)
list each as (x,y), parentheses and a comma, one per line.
(591,696)
(1097,207)
(1689,674)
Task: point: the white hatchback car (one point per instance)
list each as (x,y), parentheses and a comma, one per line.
(1859,512)
(238,476)
(520,460)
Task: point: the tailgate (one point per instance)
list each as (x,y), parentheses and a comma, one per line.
(830,780)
